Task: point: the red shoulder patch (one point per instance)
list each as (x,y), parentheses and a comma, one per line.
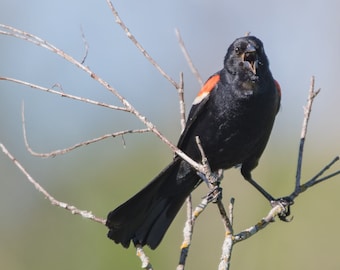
(207,88)
(278,87)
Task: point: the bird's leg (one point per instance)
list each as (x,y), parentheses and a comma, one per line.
(213,181)
(284,202)
(269,197)
(215,194)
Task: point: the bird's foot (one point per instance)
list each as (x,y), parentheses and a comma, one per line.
(214,195)
(285,203)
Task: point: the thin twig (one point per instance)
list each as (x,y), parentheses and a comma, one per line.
(231,211)
(213,182)
(74,210)
(307,111)
(280,209)
(186,54)
(245,234)
(144,259)
(207,172)
(187,233)
(180,91)
(316,179)
(68,149)
(11,31)
(86,46)
(228,242)
(138,45)
(63,94)
(190,220)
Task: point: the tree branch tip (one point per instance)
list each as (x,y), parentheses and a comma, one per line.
(177,32)
(313,93)
(87,214)
(86,45)
(61,204)
(144,259)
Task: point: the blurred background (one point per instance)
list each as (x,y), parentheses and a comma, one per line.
(301,39)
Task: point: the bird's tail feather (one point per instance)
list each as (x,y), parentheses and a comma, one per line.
(146,216)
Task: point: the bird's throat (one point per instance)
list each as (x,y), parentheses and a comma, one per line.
(248,85)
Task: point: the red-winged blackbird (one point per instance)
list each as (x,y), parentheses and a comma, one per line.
(233,115)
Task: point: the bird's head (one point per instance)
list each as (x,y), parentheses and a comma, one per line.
(246,57)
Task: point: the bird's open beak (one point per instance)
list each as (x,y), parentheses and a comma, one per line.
(249,57)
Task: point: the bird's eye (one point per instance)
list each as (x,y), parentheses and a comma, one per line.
(237,50)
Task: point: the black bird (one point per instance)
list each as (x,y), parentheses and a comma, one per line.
(233,116)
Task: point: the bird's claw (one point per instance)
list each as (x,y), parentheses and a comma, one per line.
(285,203)
(214,195)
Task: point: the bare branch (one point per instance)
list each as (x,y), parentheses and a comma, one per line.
(139,46)
(192,67)
(84,143)
(316,180)
(53,201)
(144,259)
(63,94)
(307,111)
(86,46)
(11,31)
(188,231)
(187,234)
(275,211)
(279,209)
(212,180)
(180,91)
(228,242)
(231,211)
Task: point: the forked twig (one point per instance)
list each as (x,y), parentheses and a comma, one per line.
(280,208)
(74,210)
(315,180)
(307,111)
(63,94)
(138,45)
(212,179)
(187,57)
(75,146)
(127,107)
